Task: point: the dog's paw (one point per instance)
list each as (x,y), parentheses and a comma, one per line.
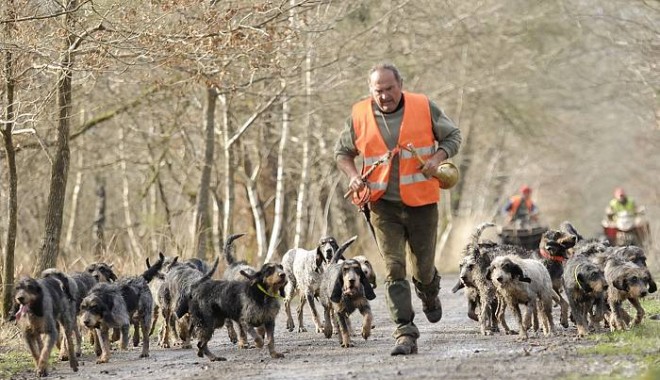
(218,359)
(302,329)
(276,355)
(366,332)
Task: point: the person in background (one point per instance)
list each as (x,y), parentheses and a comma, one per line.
(520,207)
(620,203)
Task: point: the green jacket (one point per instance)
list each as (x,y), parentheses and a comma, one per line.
(628,205)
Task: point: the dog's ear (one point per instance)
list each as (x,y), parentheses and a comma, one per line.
(620,284)
(459,285)
(249,276)
(366,285)
(652,285)
(109,273)
(320,259)
(173,263)
(338,290)
(489,273)
(517,272)
(582,283)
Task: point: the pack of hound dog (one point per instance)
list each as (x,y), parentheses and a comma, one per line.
(587,278)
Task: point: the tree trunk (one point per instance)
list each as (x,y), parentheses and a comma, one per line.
(301,203)
(228,221)
(50,244)
(12,179)
(279,187)
(75,200)
(126,203)
(203,235)
(250,179)
(99,221)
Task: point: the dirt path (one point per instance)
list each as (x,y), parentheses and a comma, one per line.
(450,349)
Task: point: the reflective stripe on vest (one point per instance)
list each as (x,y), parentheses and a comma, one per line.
(416,129)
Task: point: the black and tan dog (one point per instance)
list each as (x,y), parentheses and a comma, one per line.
(553,252)
(233,273)
(117,305)
(252,303)
(585,285)
(44,306)
(344,289)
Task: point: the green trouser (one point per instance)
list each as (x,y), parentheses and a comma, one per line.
(399,227)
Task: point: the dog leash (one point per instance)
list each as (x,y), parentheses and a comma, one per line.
(261,288)
(575,274)
(361,199)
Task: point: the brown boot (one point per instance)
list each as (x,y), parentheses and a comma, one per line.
(405,345)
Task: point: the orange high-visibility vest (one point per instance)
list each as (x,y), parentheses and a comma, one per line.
(516,200)
(416,129)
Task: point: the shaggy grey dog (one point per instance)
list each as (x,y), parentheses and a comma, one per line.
(524,281)
(252,303)
(233,273)
(483,302)
(43,307)
(584,283)
(117,305)
(174,291)
(626,281)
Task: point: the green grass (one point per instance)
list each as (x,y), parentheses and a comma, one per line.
(14,362)
(640,344)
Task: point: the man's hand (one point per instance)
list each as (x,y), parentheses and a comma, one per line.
(432,163)
(356,183)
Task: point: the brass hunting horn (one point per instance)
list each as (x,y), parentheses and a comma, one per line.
(446,173)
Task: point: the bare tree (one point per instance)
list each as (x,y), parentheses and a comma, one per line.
(12,177)
(203,234)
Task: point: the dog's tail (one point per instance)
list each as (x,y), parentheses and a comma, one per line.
(208,274)
(183,302)
(153,270)
(474,239)
(340,252)
(62,278)
(229,248)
